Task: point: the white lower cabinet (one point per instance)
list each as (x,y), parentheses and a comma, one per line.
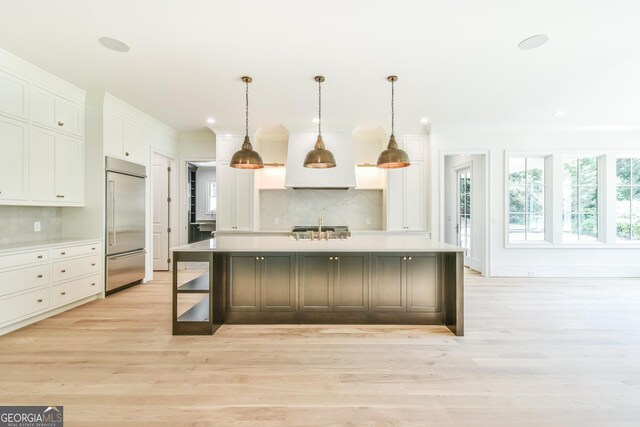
(33,282)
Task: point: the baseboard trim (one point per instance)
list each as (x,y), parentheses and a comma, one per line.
(576,270)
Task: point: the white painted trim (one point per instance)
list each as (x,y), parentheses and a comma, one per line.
(183,235)
(567,270)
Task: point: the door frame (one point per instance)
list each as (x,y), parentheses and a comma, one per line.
(173,212)
(441,199)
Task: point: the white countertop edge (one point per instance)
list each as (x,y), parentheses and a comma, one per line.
(355,244)
(30,246)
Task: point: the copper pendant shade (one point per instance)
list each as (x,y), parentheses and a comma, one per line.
(246,157)
(319,157)
(393,157)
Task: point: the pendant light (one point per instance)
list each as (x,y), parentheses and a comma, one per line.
(393,157)
(319,157)
(246,157)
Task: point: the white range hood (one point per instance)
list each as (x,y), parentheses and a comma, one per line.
(342,177)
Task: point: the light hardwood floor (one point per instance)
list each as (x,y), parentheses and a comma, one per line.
(536,352)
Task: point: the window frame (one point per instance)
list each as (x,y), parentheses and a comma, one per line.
(631,186)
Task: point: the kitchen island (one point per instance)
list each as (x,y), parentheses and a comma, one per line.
(380,279)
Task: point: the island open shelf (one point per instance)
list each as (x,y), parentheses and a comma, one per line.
(364,280)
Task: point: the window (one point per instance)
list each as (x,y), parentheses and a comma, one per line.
(628,200)
(580,199)
(526,199)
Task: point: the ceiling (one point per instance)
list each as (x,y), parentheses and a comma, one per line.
(457,61)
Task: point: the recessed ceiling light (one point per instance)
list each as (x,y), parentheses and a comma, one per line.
(424,120)
(316,120)
(533,42)
(113,44)
(558,113)
(210,120)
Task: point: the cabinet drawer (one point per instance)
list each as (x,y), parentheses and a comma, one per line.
(74,290)
(24,305)
(23,279)
(70,269)
(24,258)
(74,251)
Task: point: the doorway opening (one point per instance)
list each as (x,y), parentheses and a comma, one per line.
(201,200)
(464,206)
(163,179)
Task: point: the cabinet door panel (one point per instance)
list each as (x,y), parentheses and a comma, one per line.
(42,106)
(13,95)
(414,206)
(69,116)
(244,199)
(351,283)
(316,283)
(42,147)
(414,146)
(225,209)
(395,199)
(68,169)
(13,159)
(388,283)
(244,283)
(422,283)
(134,144)
(278,283)
(113,135)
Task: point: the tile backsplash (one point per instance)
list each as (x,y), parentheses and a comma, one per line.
(359,209)
(16,224)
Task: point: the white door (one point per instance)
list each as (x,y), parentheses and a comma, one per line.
(13,158)
(160,170)
(463,212)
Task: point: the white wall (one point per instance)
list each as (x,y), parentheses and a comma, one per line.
(555,261)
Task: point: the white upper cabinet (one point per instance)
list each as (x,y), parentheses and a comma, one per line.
(124,138)
(55,165)
(51,110)
(406,198)
(414,145)
(235,198)
(14,99)
(13,159)
(226,146)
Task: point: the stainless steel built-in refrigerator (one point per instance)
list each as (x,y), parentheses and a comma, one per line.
(125,233)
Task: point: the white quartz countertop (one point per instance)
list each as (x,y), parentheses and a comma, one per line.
(26,246)
(265,243)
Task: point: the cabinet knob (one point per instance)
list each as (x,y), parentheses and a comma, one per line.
(331,258)
(126,153)
(404,258)
(93,264)
(336,258)
(257,257)
(63,253)
(60,123)
(39,276)
(63,271)
(409,258)
(39,256)
(39,299)
(262,257)
(93,284)
(63,293)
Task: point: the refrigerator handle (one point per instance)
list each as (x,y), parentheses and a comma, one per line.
(112,194)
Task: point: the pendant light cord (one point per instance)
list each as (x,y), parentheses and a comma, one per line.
(319,108)
(393,113)
(246,120)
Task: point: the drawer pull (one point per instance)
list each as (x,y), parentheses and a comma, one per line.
(39,299)
(39,256)
(63,271)
(93,264)
(93,284)
(126,153)
(60,123)
(39,276)
(63,253)
(60,196)
(63,293)
(93,249)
